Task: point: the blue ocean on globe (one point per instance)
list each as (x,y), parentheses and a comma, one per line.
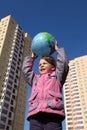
(42,44)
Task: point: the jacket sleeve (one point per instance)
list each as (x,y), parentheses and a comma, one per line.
(27,71)
(62,67)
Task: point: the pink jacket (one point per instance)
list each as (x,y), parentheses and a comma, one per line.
(46,93)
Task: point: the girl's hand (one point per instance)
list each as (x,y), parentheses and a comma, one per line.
(33,55)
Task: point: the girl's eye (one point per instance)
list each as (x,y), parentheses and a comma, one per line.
(39,64)
(42,64)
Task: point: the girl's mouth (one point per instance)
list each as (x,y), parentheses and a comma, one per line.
(42,69)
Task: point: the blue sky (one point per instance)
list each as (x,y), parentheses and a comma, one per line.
(65,19)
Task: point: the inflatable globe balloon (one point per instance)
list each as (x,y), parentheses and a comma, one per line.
(42,44)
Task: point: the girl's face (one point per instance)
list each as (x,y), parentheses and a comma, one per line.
(45,67)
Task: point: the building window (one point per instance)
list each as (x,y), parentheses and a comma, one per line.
(6,105)
(3,119)
(2,126)
(4,111)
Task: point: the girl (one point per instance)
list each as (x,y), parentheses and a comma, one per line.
(46,109)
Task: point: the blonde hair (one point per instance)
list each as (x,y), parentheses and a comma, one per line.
(50,60)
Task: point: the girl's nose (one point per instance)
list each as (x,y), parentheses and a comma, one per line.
(42,65)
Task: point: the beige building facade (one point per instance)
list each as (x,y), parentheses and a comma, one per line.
(75,95)
(14,46)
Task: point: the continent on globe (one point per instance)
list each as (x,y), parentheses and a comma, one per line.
(42,44)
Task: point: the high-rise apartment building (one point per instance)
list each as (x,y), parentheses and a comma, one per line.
(14,46)
(75,95)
